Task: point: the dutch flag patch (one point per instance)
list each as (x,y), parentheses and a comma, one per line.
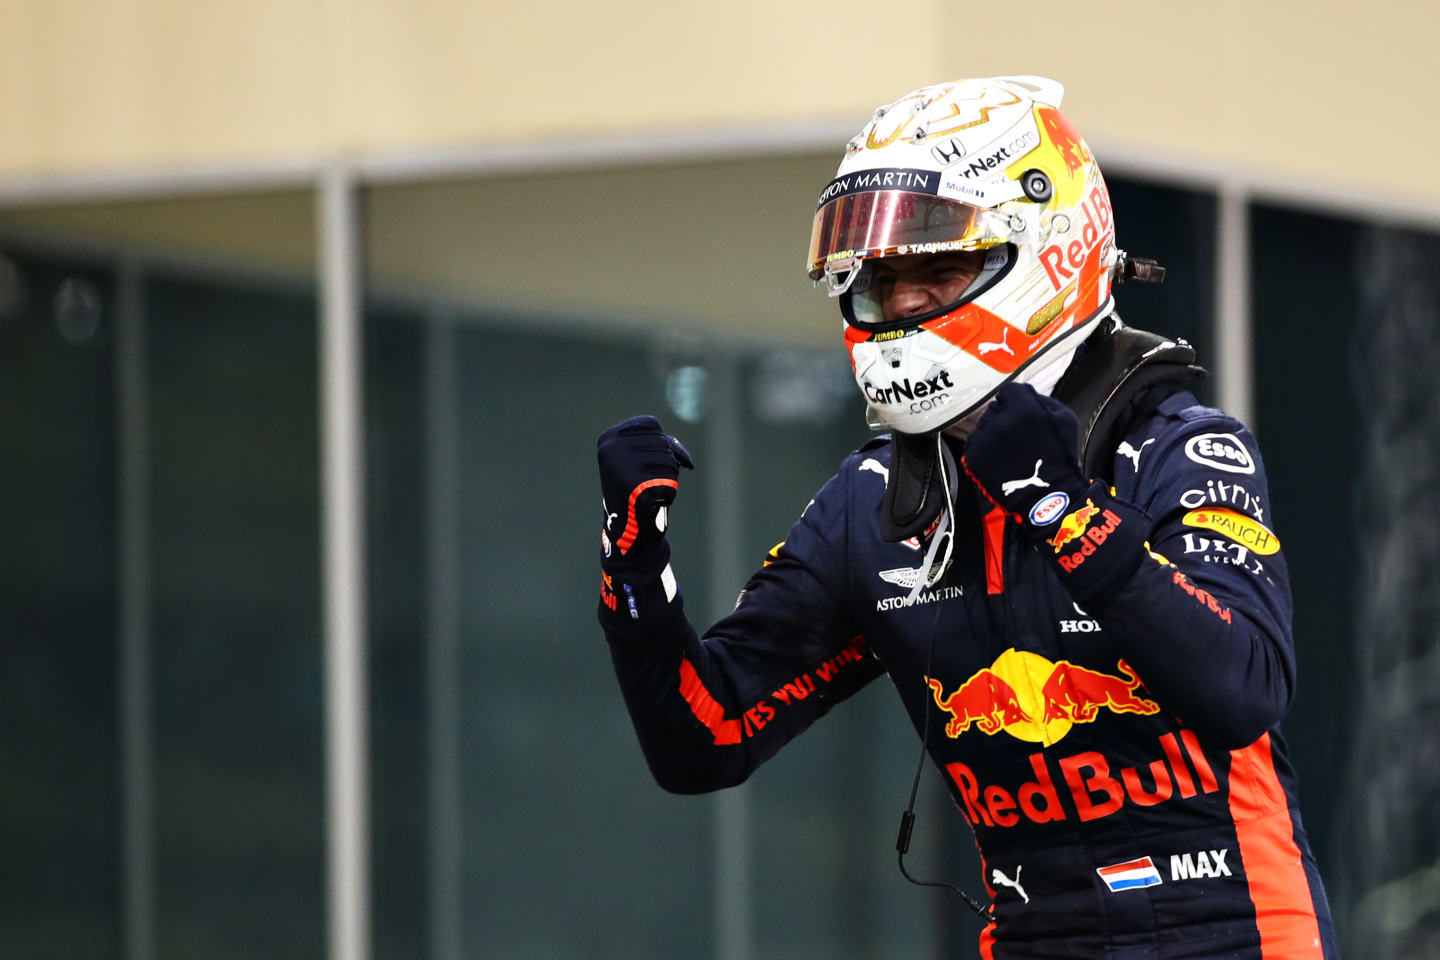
(1130,875)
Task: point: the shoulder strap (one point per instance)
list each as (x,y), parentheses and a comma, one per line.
(914,494)
(1120,375)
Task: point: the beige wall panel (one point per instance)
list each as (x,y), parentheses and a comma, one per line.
(105,84)
(703,247)
(1274,89)
(440,72)
(1265,89)
(1132,72)
(1364,111)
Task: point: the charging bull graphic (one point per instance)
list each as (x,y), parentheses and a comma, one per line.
(985,700)
(1073,524)
(1076,693)
(1062,154)
(1035,699)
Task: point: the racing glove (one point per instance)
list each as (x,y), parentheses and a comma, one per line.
(1024,457)
(639,477)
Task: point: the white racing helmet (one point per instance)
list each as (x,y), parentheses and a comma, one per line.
(986,164)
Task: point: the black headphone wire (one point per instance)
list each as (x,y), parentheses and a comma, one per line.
(907,819)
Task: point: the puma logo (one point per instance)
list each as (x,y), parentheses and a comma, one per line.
(998,879)
(1010,486)
(1004,344)
(875,466)
(1132,452)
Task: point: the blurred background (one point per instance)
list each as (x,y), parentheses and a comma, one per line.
(310,313)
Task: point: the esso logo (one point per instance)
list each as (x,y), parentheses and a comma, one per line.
(1048,509)
(1223,451)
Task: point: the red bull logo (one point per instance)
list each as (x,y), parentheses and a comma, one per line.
(1061,154)
(985,700)
(1090,540)
(1088,787)
(1037,700)
(1066,141)
(1077,693)
(1073,524)
(1062,261)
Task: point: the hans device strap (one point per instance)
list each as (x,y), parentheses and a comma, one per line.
(1121,375)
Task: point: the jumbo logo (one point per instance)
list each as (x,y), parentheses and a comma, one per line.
(1237,527)
(1036,700)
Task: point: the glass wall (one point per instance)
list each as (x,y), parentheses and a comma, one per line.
(60,768)
(1345,383)
(161,662)
(509,814)
(1176,227)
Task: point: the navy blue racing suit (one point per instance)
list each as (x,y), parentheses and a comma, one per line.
(1120,763)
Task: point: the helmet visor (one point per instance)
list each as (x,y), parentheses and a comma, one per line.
(884,223)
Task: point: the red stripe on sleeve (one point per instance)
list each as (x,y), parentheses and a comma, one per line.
(987,935)
(706,708)
(995,551)
(987,941)
(632,524)
(1284,912)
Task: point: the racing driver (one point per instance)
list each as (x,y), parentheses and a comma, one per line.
(1065,563)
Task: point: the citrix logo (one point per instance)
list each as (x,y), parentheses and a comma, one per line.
(925,387)
(1217,491)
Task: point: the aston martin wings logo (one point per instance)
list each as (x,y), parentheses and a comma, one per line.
(904,577)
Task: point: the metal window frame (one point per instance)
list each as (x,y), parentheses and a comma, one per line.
(343,576)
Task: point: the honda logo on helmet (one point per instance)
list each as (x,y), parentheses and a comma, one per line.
(948,152)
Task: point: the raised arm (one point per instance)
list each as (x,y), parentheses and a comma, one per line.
(1197,597)
(708,711)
